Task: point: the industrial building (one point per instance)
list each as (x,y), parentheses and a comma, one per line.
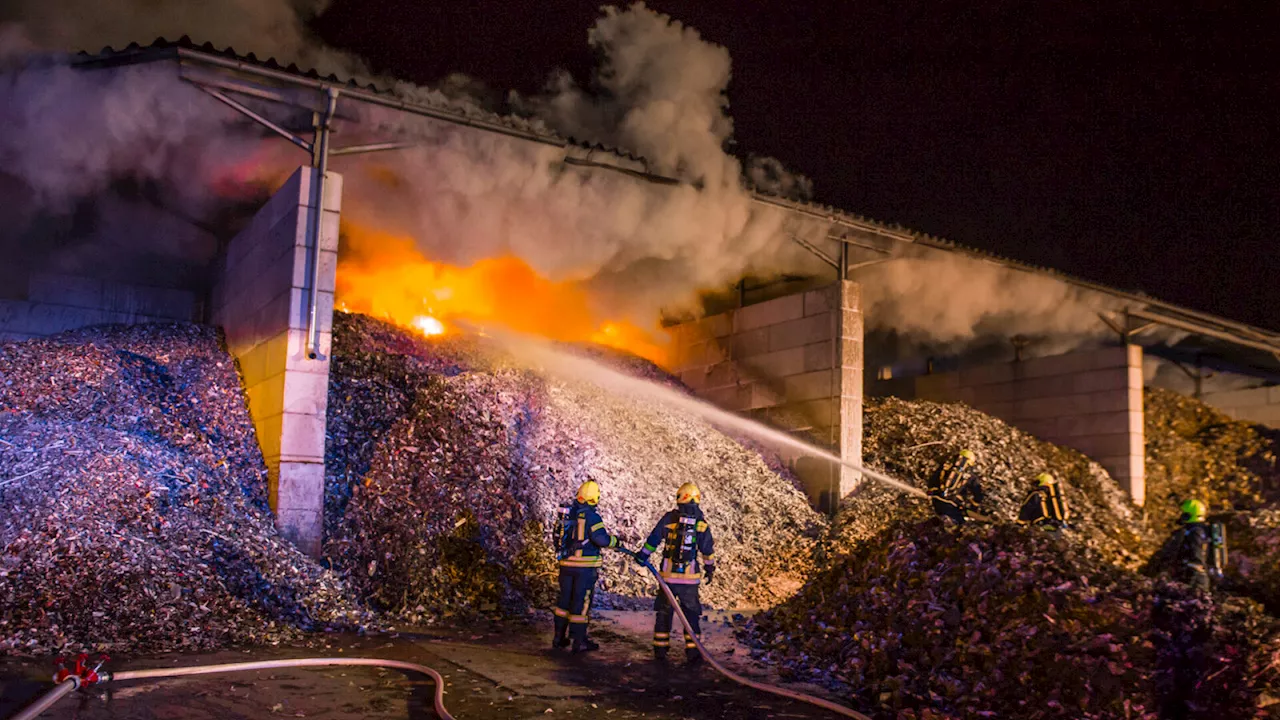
(794,352)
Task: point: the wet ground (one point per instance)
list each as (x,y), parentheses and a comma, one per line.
(491,671)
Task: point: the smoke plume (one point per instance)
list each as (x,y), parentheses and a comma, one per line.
(951,300)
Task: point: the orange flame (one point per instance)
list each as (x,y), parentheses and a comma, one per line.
(386,276)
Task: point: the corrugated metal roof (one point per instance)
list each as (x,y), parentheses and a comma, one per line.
(185,48)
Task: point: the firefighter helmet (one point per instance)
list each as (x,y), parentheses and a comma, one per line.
(1045,479)
(589,492)
(687,493)
(1192,511)
(968,455)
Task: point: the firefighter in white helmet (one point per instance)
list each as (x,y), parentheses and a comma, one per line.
(687,535)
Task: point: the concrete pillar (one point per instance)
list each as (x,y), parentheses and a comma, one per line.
(851,377)
(262,301)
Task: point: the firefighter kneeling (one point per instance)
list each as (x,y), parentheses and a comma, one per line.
(1045,505)
(686,534)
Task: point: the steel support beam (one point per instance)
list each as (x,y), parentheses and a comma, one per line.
(218,95)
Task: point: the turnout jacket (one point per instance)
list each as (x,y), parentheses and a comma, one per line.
(1045,503)
(588,537)
(686,535)
(956,478)
(1193,549)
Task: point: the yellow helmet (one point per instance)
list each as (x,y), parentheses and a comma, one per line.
(589,492)
(688,492)
(968,455)
(1192,511)
(1044,479)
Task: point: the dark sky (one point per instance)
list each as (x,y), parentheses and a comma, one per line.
(1134,143)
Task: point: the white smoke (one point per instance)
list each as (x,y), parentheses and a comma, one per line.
(948,299)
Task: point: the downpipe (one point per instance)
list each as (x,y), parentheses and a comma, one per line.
(763,687)
(72,682)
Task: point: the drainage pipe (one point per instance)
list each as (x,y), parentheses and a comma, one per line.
(320,160)
(783,692)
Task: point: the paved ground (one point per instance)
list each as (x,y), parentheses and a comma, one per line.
(497,671)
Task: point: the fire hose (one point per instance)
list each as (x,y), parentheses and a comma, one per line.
(706,655)
(69,680)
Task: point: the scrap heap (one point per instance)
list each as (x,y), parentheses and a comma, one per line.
(454,465)
(1194,450)
(909,439)
(928,621)
(132,508)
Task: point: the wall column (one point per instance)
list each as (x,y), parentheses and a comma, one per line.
(261,302)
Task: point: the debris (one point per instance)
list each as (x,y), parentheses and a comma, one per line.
(146,527)
(1037,627)
(496,450)
(909,439)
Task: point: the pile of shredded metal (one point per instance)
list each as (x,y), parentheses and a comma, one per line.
(910,439)
(931,621)
(132,507)
(1196,451)
(445,466)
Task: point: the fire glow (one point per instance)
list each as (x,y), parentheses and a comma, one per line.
(386,276)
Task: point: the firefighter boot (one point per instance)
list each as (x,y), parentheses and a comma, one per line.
(692,657)
(660,654)
(584,645)
(560,640)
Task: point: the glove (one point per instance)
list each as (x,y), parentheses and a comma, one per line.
(621,548)
(710,573)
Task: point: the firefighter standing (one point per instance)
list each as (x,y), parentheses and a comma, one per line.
(686,535)
(1200,550)
(1045,505)
(582,538)
(954,486)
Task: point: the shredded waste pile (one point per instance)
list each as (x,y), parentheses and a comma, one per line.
(132,507)
(445,467)
(910,439)
(930,621)
(1194,450)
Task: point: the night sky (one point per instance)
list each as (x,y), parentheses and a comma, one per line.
(1130,143)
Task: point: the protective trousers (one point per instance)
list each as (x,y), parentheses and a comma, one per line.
(946,507)
(690,605)
(576,586)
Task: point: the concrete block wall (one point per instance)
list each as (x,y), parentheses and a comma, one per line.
(56,302)
(261,302)
(794,361)
(1090,401)
(1259,405)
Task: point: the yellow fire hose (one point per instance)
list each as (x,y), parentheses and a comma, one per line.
(819,702)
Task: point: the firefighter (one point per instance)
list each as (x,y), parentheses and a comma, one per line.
(1195,551)
(686,535)
(581,540)
(954,486)
(1045,505)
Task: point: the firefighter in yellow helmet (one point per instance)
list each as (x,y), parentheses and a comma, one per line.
(581,536)
(686,535)
(1045,505)
(954,488)
(1200,548)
